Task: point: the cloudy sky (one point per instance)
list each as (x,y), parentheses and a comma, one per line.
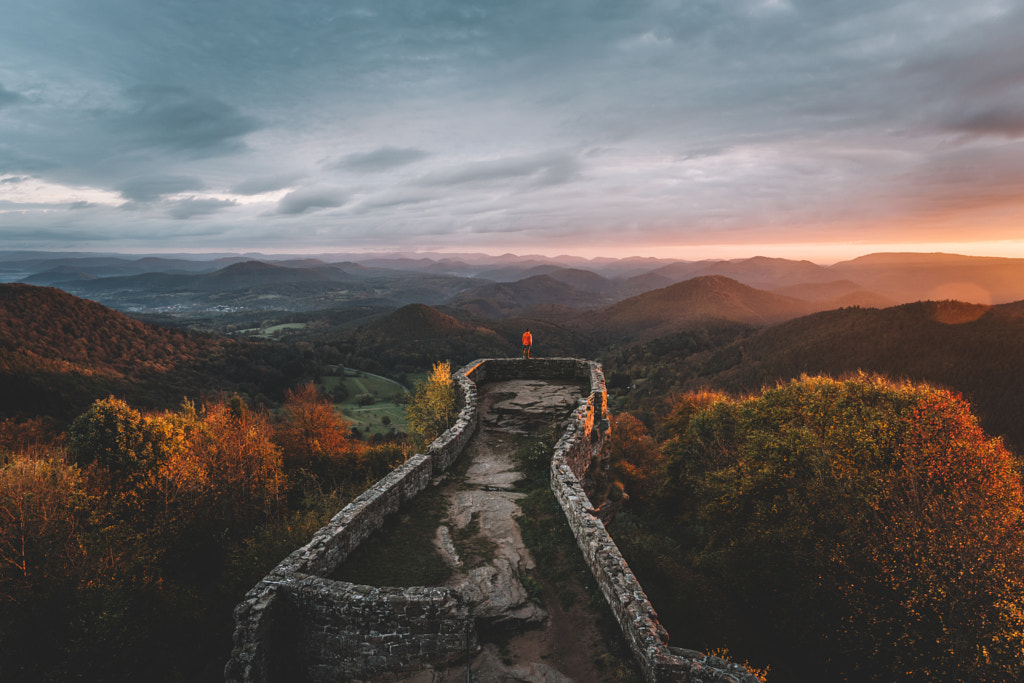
(801,128)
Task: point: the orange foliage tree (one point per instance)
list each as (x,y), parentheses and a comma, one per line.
(629,462)
(235,464)
(871,525)
(310,428)
(43,510)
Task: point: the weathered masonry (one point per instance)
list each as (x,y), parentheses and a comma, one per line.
(295,624)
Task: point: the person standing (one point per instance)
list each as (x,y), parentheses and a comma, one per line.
(527,343)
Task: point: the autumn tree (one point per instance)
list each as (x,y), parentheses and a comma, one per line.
(113,435)
(310,428)
(43,510)
(872,526)
(235,465)
(433,407)
(629,462)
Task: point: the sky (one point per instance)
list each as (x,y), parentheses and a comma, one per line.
(817,129)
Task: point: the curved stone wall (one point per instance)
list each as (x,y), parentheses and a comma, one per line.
(297,624)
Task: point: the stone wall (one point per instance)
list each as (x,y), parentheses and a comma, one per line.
(261,622)
(297,624)
(629,604)
(340,631)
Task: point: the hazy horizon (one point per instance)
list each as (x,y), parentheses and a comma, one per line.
(482,254)
(799,129)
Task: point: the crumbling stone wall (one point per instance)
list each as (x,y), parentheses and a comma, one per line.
(263,641)
(295,624)
(340,632)
(625,596)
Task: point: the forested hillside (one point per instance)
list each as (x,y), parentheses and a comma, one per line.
(687,304)
(973,349)
(58,353)
(169,498)
(858,529)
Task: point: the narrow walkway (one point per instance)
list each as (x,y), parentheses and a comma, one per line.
(523,637)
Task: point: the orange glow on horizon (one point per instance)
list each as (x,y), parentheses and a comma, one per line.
(821,253)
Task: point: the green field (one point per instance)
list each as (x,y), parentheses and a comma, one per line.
(272,330)
(367,418)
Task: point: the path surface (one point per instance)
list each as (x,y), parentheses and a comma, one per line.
(528,642)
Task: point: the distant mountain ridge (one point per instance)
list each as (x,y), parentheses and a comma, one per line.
(502,299)
(497,286)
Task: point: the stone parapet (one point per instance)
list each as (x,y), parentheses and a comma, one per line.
(625,596)
(265,648)
(341,631)
(259,649)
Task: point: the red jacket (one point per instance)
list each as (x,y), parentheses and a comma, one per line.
(527,339)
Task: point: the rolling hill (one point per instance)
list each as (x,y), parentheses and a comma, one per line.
(761,272)
(905,277)
(416,336)
(418,322)
(687,304)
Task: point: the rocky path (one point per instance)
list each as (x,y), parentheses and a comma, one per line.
(523,637)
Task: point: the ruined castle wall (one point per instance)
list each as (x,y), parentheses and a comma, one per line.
(281,603)
(625,596)
(258,645)
(342,631)
(447,447)
(500,369)
(297,624)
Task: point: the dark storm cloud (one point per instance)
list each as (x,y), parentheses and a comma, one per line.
(177,119)
(150,189)
(311,199)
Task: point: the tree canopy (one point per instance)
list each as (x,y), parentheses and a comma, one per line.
(854,528)
(433,406)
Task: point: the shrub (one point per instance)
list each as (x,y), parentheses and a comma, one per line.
(869,522)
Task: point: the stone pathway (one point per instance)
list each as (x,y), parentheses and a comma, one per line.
(531,643)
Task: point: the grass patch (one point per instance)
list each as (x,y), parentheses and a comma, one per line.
(274,329)
(402,553)
(369,419)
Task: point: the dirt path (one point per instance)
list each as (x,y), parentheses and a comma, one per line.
(524,637)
